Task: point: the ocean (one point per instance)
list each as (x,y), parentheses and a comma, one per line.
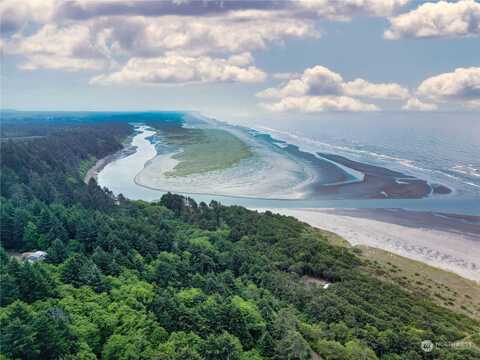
(438,150)
(438,147)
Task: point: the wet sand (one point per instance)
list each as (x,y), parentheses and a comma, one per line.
(447,241)
(284,171)
(337,177)
(378,183)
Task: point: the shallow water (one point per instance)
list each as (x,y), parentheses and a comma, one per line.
(439,147)
(119,176)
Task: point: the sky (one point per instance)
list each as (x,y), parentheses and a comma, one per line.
(248,58)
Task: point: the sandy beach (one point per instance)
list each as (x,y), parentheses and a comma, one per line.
(449,242)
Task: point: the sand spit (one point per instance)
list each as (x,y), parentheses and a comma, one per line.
(267,174)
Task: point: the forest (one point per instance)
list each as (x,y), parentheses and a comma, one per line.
(176,279)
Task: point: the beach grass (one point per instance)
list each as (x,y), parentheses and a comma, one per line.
(443,287)
(204,150)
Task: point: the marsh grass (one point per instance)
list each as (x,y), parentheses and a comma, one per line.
(204,150)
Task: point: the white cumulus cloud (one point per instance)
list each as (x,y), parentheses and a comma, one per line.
(414,104)
(321,89)
(461,84)
(320,80)
(363,88)
(437,19)
(312,104)
(346,9)
(53,47)
(16,15)
(175,69)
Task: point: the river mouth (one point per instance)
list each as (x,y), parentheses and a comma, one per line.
(320,181)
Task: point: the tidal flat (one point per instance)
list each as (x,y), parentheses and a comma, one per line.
(221,160)
(205,156)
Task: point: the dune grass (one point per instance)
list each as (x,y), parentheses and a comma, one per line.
(443,287)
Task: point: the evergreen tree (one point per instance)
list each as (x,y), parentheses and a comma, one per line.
(18,338)
(222,347)
(57,252)
(31,237)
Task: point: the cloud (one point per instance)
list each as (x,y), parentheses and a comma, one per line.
(93,35)
(81,10)
(331,9)
(285,76)
(363,88)
(233,33)
(320,80)
(346,9)
(312,104)
(413,104)
(74,35)
(439,19)
(52,47)
(473,104)
(462,84)
(179,69)
(317,80)
(321,89)
(15,15)
(103,41)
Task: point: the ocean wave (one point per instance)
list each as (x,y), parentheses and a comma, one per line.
(361,154)
(341,148)
(468,170)
(303,144)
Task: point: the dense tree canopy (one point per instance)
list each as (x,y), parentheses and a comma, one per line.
(174,279)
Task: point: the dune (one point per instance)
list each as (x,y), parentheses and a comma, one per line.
(449,242)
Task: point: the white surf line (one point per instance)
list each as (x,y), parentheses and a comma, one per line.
(358,175)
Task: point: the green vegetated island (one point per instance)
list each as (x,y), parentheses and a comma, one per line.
(203,150)
(176,279)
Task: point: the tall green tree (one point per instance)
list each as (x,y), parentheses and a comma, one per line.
(57,252)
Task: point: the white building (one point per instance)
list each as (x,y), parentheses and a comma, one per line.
(34,256)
